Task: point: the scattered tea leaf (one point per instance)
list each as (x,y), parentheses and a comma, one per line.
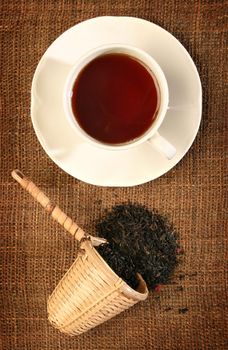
(183,310)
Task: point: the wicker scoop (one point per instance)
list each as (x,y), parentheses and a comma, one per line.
(90,292)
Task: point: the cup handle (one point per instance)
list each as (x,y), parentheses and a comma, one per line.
(162,145)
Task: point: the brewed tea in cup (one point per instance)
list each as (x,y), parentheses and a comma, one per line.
(116,97)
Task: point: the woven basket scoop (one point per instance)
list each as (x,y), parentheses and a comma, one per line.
(90,292)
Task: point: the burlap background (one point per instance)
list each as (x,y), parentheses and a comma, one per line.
(35,253)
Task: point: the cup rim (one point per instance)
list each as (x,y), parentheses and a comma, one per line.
(118,48)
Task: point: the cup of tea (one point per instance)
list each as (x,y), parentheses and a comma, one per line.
(116,97)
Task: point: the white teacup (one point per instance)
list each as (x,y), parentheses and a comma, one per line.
(151,135)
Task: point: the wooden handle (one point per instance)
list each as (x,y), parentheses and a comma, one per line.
(57,214)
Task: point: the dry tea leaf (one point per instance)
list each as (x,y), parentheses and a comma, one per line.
(140,241)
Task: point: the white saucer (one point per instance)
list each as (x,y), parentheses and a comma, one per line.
(115,168)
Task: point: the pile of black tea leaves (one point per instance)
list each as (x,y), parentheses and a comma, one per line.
(139,240)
